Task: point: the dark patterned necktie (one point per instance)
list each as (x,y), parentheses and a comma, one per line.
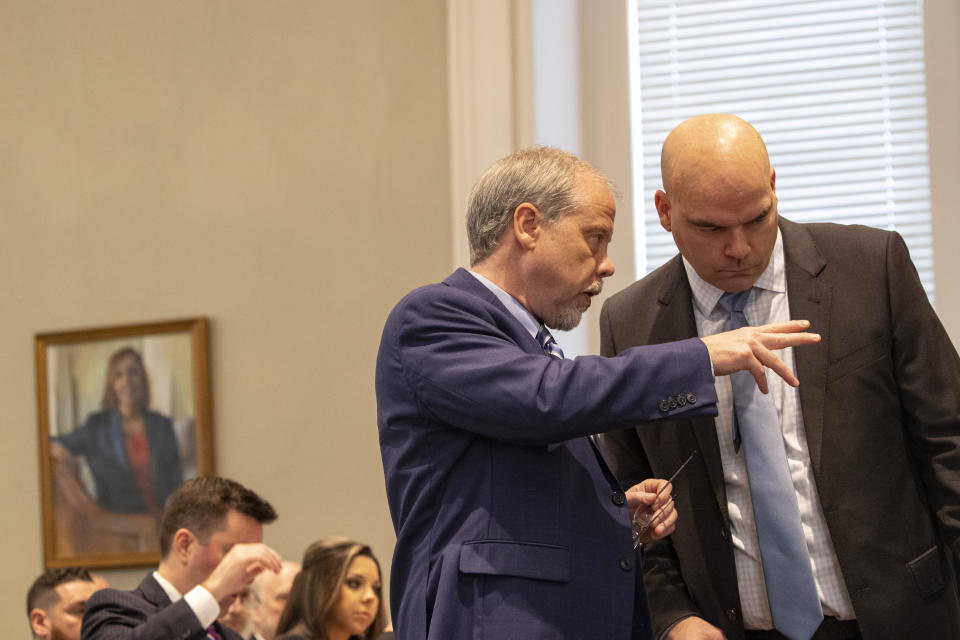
(548,344)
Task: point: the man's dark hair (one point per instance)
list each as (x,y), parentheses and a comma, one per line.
(47,582)
(201,506)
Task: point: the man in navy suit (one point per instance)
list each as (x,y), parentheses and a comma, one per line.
(211,546)
(509,523)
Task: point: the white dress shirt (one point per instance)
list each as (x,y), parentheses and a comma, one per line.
(768,304)
(201,601)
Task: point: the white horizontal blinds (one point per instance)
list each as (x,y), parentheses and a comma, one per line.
(836,88)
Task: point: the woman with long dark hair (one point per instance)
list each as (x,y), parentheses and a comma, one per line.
(336,596)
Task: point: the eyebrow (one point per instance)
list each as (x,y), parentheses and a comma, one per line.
(760,216)
(600,227)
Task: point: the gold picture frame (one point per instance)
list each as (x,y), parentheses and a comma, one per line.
(124,418)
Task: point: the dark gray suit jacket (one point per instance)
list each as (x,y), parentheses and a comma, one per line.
(144,613)
(880,396)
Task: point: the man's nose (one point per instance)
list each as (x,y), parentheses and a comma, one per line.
(737,246)
(605,269)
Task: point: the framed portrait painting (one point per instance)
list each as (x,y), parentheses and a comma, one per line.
(124,419)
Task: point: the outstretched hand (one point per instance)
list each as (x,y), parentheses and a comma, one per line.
(751,349)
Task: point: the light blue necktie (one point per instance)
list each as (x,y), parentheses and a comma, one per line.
(791,589)
(548,343)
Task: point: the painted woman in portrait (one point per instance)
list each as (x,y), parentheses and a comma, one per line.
(131,451)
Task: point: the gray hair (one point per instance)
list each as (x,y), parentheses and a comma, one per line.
(546,177)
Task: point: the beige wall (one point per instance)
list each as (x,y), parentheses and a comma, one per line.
(942,48)
(280,167)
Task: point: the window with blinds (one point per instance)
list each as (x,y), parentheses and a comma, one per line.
(835,87)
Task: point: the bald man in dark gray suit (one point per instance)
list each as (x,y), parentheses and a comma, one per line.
(872,435)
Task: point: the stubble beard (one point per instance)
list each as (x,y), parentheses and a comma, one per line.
(56,634)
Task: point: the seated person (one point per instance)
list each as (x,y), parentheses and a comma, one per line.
(211,549)
(237,616)
(269,594)
(56,600)
(336,596)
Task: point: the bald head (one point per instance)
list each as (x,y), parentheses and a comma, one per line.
(718,198)
(707,155)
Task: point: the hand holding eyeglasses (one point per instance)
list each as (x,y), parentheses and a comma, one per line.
(653,507)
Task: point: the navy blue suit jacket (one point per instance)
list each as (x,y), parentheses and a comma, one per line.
(509,523)
(145,613)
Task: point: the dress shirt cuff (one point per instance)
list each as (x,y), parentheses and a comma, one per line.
(710,360)
(203,605)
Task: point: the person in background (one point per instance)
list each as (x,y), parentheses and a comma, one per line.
(56,601)
(211,546)
(867,447)
(336,595)
(269,594)
(131,451)
(237,616)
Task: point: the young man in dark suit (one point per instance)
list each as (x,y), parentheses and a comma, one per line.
(211,546)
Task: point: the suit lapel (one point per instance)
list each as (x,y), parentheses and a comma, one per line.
(676,322)
(810,297)
(153,592)
(465,281)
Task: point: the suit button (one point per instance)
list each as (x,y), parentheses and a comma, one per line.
(691,398)
(618,498)
(664,406)
(681,399)
(731,615)
(626,564)
(673,402)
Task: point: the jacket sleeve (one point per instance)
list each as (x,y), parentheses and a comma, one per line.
(927,371)
(122,615)
(468,372)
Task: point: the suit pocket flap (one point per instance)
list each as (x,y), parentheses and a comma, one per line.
(927,572)
(517,559)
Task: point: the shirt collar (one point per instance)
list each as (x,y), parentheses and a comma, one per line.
(516,309)
(168,588)
(706,296)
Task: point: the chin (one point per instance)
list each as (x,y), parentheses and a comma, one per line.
(567,319)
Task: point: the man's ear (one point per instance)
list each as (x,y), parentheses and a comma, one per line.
(527,224)
(40,623)
(183,541)
(662,203)
(773,180)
